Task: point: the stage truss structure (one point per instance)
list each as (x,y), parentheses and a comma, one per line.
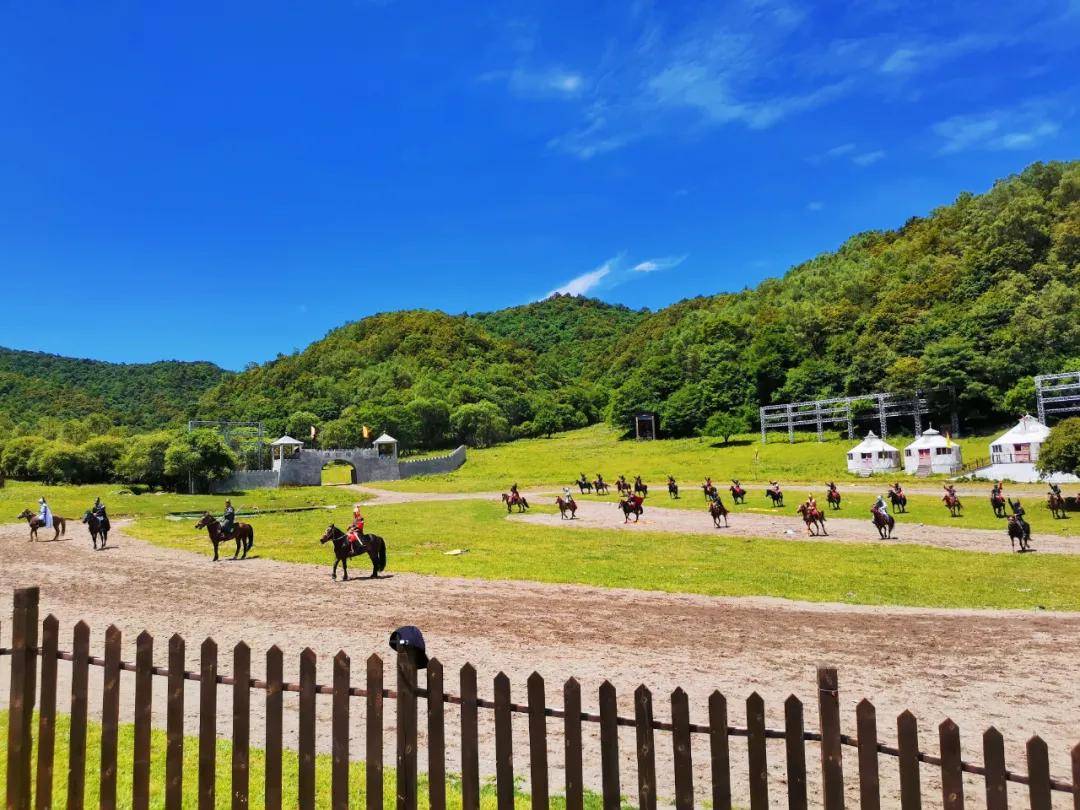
(246,439)
(819,413)
(1057,394)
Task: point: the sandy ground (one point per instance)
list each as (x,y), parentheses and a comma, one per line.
(780,523)
(1012,669)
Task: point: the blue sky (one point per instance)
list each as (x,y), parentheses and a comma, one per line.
(230,181)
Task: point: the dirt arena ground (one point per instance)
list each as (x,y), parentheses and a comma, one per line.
(1015,670)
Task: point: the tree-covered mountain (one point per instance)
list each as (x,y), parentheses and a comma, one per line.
(41,391)
(980,295)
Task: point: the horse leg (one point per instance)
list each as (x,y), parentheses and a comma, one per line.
(215,542)
(333,573)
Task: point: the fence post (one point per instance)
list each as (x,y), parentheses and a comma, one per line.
(869,779)
(1038,759)
(907,735)
(646,751)
(80,666)
(538,762)
(719,752)
(952,777)
(339,785)
(373,749)
(144,689)
(504,745)
(110,718)
(406,730)
(21,701)
(436,736)
(241,730)
(757,756)
(609,746)
(832,763)
(50,631)
(997,788)
(680,743)
(572,744)
(207,723)
(305,778)
(275,664)
(174,732)
(795,748)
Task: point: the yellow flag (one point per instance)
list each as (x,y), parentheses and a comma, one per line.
(367,432)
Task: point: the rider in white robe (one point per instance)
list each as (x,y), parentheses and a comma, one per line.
(45,513)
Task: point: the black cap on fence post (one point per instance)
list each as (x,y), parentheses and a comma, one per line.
(411,640)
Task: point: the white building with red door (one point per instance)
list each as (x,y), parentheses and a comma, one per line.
(932,453)
(1013,455)
(872,455)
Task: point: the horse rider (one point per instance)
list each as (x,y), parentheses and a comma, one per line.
(899,490)
(515,496)
(1055,489)
(879,506)
(228,520)
(775,487)
(45,513)
(356,531)
(568,496)
(98,511)
(811,503)
(950,492)
(1018,513)
(995,491)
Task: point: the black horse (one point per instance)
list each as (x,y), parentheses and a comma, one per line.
(1019,532)
(631,505)
(672,487)
(584,484)
(738,494)
(98,528)
(997,503)
(371,544)
(832,495)
(884,523)
(898,500)
(640,488)
(775,494)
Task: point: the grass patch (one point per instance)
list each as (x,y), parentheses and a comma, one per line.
(418,535)
(562,458)
(223,781)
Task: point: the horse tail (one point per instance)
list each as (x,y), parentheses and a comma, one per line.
(63,526)
(380,563)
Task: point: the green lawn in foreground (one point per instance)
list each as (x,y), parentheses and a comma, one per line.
(223,782)
(926,509)
(562,458)
(418,535)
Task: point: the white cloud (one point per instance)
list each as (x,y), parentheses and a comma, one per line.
(841,150)
(545,83)
(659,263)
(586,282)
(1020,128)
(868,158)
(814,206)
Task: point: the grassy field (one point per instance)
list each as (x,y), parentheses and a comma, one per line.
(419,535)
(562,458)
(223,795)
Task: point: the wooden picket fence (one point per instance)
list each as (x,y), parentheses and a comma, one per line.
(24,694)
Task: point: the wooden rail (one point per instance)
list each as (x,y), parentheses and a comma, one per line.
(26,651)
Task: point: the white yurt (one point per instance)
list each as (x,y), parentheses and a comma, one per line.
(1021,444)
(872,455)
(932,453)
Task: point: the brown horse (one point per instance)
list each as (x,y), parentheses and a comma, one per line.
(371,544)
(1019,532)
(35,523)
(672,487)
(952,503)
(242,533)
(566,506)
(631,505)
(717,510)
(515,499)
(622,487)
(884,523)
(738,494)
(813,518)
(1056,502)
(601,487)
(833,496)
(997,503)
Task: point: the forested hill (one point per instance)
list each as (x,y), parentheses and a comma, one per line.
(36,388)
(980,294)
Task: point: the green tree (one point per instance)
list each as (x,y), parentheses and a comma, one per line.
(299,425)
(433,418)
(59,463)
(1060,453)
(479,424)
(143,459)
(726,425)
(17,455)
(198,454)
(102,455)
(1020,399)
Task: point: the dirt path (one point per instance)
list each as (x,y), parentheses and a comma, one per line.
(1012,669)
(781,524)
(785,526)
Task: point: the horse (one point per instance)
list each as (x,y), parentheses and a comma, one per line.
(672,487)
(997,503)
(833,496)
(566,506)
(709,489)
(738,494)
(898,500)
(640,488)
(97,527)
(1056,502)
(952,502)
(884,523)
(584,484)
(515,499)
(717,510)
(622,486)
(1019,532)
(242,533)
(601,487)
(813,518)
(35,523)
(775,495)
(631,505)
(371,544)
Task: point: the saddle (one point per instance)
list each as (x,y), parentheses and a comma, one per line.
(357,544)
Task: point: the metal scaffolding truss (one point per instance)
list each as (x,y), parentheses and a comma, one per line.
(1057,394)
(246,439)
(818,413)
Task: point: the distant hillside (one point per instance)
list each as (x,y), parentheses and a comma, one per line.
(980,295)
(35,386)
